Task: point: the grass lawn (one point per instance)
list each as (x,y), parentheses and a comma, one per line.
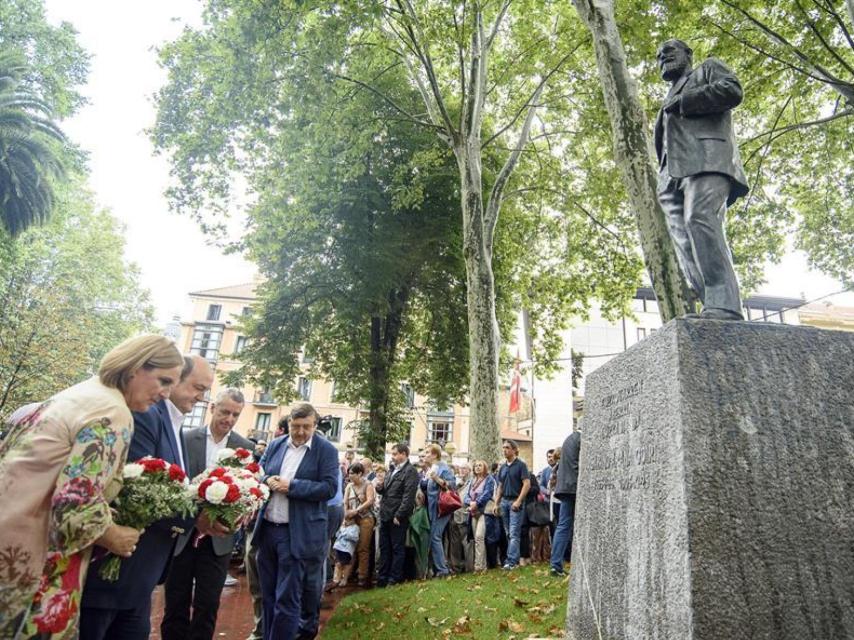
(524,603)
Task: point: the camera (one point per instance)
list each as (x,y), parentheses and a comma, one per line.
(324,424)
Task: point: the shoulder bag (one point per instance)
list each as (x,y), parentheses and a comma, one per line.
(449,501)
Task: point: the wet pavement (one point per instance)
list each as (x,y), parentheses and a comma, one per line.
(234,621)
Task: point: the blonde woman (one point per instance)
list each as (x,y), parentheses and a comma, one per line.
(60,467)
(438,477)
(480,492)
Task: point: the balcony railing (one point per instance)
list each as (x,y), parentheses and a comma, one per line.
(265,398)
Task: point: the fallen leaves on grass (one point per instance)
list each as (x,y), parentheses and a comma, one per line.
(463,625)
(510,625)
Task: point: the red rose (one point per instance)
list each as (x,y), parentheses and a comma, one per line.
(241,453)
(254,467)
(204,486)
(153,465)
(217,473)
(176,473)
(226,479)
(233,494)
(255,491)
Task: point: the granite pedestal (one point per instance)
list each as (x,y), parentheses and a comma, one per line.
(716,488)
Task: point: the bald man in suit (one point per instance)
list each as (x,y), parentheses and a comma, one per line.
(700,173)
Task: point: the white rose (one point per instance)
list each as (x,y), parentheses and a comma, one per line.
(265,491)
(245,484)
(132,470)
(224,453)
(215,493)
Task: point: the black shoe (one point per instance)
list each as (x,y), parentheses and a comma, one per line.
(558,574)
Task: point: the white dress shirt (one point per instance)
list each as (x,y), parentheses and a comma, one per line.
(278,509)
(212,448)
(177,419)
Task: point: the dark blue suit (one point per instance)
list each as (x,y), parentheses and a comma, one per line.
(122,609)
(290,556)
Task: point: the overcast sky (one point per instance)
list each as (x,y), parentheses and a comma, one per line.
(129,180)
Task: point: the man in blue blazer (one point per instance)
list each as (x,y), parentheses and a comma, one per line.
(121,610)
(301,470)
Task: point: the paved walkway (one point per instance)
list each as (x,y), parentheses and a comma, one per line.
(234,621)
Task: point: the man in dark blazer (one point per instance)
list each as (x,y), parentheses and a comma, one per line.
(565,489)
(200,566)
(398,491)
(122,609)
(700,172)
(302,473)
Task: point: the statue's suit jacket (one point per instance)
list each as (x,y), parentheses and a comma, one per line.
(698,138)
(195,443)
(154,436)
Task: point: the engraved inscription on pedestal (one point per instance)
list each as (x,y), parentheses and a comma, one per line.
(714,488)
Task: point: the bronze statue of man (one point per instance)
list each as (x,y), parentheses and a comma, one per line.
(700,173)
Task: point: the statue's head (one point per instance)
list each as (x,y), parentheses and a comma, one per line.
(674,59)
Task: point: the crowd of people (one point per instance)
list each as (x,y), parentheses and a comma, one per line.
(328,522)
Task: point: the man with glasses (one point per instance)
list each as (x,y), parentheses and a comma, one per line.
(302,473)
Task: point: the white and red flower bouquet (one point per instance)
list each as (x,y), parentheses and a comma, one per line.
(239,458)
(229,494)
(152,489)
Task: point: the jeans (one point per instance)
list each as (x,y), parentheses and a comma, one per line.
(563,532)
(437,529)
(289,585)
(512,521)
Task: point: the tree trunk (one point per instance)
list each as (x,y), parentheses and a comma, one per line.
(634,153)
(484,435)
(384,336)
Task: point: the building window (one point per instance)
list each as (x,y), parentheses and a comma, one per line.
(333,393)
(334,433)
(264,396)
(262,422)
(240,344)
(214,311)
(206,341)
(246,311)
(641,333)
(408,395)
(439,432)
(304,388)
(196,417)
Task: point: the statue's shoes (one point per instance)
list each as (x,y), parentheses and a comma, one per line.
(715,314)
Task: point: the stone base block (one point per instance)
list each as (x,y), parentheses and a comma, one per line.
(716,488)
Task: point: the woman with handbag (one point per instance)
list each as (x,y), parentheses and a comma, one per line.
(439,485)
(479,501)
(359,498)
